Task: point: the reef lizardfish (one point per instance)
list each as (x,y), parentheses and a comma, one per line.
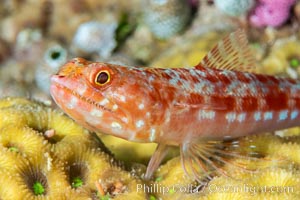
(191,108)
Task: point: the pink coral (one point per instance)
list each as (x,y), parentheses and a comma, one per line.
(271,12)
(283,3)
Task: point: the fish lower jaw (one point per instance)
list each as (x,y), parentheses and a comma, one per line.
(70,92)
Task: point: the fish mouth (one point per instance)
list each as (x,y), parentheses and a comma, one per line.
(77,95)
(57,85)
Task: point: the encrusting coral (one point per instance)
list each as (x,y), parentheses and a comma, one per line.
(187,54)
(283,58)
(120,148)
(45,155)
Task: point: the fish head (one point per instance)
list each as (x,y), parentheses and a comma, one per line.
(107,98)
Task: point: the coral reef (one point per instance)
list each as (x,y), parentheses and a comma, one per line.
(166,18)
(233,7)
(283,58)
(142,45)
(120,149)
(45,155)
(187,54)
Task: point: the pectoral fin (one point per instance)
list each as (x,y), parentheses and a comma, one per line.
(159,154)
(202,160)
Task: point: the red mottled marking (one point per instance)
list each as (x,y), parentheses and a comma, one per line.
(274,80)
(212,77)
(194,79)
(292,81)
(229,102)
(179,84)
(182,75)
(278,102)
(262,78)
(166,76)
(297,99)
(250,104)
(195,98)
(201,68)
(225,79)
(243,78)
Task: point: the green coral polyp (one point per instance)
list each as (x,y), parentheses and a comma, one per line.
(78,174)
(105,197)
(77,182)
(283,54)
(151,197)
(38,188)
(13,149)
(294,62)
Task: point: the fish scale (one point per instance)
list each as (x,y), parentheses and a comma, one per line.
(193,108)
(232,103)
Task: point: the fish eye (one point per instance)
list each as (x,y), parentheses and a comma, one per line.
(102,77)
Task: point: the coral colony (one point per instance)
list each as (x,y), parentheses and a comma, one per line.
(47,156)
(271,12)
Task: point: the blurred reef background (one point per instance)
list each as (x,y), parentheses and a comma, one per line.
(45,155)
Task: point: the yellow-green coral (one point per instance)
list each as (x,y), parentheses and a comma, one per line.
(121,149)
(188,53)
(282,57)
(130,152)
(22,140)
(45,155)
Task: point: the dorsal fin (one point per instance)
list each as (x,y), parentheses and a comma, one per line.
(231,53)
